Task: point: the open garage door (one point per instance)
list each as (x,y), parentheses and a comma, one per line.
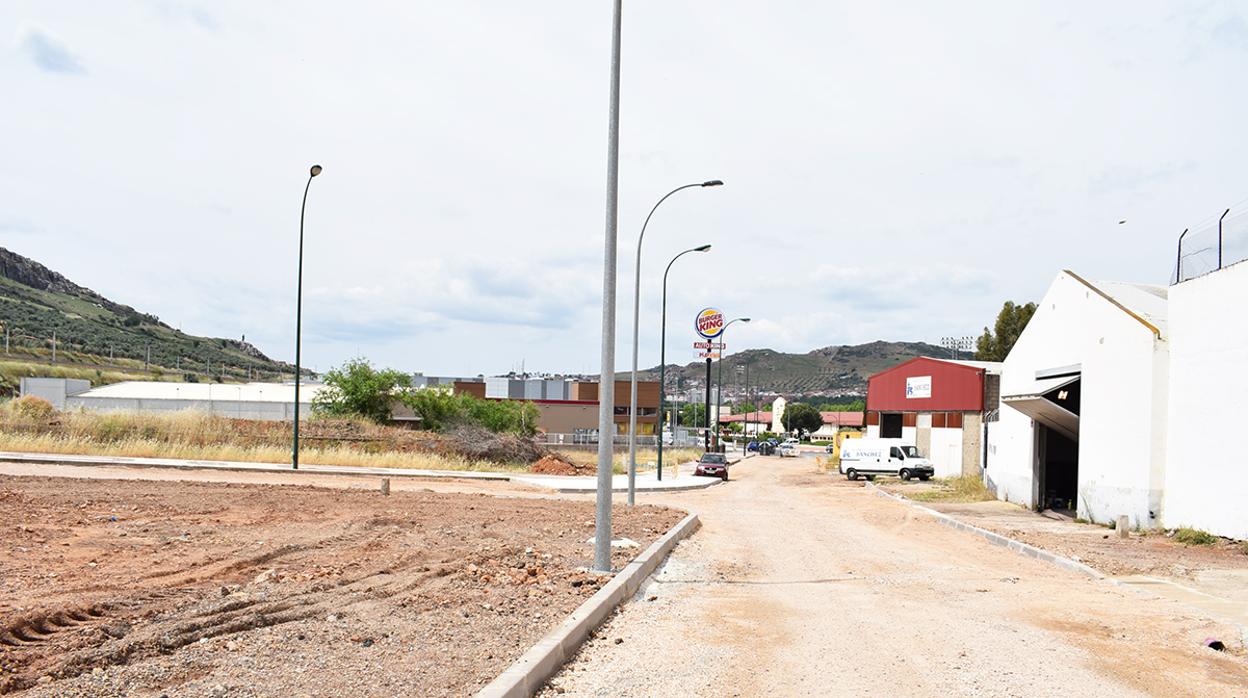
(1053,402)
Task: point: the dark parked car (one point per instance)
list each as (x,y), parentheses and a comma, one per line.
(713,465)
(766,448)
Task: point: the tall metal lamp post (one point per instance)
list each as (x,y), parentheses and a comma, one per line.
(663,354)
(719,397)
(632,403)
(294,451)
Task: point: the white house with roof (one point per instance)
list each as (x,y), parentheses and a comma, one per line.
(1083,422)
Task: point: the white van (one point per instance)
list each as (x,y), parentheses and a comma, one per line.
(871,457)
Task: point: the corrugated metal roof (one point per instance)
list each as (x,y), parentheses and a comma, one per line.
(989,366)
(241,392)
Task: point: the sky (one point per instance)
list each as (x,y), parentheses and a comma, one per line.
(893,170)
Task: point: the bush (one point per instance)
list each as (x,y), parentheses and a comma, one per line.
(439,410)
(32,407)
(1194,536)
(356,389)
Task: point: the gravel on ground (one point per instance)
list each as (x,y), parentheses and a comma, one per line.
(803,584)
(175,588)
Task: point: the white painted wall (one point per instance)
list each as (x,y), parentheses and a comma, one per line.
(946,455)
(1123,416)
(1207,468)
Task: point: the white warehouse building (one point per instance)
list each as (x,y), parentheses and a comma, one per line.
(1083,423)
(261,401)
(1127,399)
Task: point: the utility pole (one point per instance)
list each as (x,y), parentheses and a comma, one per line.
(706,420)
(53,346)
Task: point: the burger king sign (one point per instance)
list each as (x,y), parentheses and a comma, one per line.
(709,323)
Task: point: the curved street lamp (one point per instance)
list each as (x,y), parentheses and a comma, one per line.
(663,354)
(294,451)
(632,404)
(719,397)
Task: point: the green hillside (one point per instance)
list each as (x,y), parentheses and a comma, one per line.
(104,341)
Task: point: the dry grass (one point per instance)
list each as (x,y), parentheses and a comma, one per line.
(957,490)
(196,436)
(646,457)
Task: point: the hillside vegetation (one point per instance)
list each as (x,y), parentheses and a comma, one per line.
(104,341)
(830,371)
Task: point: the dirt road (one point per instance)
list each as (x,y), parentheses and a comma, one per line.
(799,584)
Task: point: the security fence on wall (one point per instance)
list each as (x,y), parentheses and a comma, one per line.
(1213,244)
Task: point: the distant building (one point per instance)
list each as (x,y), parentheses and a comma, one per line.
(938,406)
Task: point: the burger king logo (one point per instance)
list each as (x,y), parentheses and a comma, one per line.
(709,323)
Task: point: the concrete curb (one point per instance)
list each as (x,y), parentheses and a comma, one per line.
(547,482)
(531,671)
(996,538)
(241,466)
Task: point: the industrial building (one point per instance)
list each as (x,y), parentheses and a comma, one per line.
(938,406)
(1083,424)
(260,401)
(570,407)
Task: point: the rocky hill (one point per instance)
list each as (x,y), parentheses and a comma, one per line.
(833,371)
(36,301)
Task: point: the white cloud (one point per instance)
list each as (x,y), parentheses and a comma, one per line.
(892,171)
(46,51)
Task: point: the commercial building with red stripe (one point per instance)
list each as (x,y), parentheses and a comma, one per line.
(938,406)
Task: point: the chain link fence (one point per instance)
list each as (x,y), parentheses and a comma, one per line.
(1216,243)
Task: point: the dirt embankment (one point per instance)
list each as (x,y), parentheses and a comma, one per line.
(557,465)
(150,588)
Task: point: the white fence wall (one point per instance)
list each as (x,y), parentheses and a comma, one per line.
(1207,469)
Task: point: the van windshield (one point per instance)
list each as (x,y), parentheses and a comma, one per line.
(911,452)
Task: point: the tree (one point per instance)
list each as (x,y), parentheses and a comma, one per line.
(800,417)
(995,344)
(693,415)
(356,389)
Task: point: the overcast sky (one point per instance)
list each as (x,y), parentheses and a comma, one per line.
(894,170)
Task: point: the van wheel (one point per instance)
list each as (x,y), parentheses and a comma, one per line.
(851,474)
(904,474)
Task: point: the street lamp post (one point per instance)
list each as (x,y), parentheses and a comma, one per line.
(606,386)
(719,397)
(294,451)
(663,355)
(632,404)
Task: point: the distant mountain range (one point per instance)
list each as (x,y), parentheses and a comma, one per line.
(834,371)
(35,302)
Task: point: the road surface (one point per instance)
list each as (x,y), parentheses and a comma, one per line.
(801,584)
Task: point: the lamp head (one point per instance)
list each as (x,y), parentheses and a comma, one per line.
(713,183)
(702,248)
(744,319)
(316,170)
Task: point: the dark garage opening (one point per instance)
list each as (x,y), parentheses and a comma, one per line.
(890,425)
(1059,471)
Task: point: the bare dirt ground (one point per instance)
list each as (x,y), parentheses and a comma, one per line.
(802,584)
(174,588)
(1097,546)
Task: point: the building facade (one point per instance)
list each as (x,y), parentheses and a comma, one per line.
(937,406)
(1095,448)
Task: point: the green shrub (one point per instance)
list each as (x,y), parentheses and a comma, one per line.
(1194,536)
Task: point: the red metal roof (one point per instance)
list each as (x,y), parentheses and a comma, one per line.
(954,387)
(843,419)
(760,417)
